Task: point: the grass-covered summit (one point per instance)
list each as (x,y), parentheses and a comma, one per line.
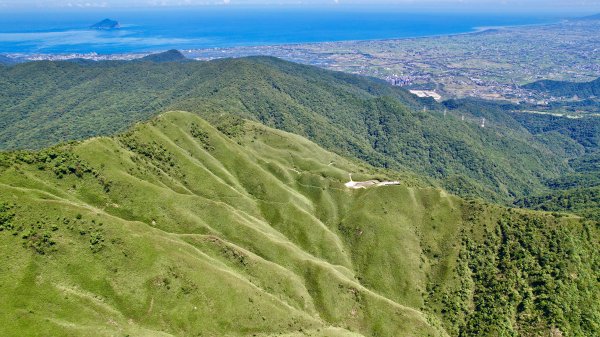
(44,103)
(180,228)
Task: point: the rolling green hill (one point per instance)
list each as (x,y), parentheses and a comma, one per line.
(180,228)
(567,89)
(172,55)
(44,103)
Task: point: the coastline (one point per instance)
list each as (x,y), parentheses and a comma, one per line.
(40,56)
(474,31)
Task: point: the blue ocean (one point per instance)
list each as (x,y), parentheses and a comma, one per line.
(67,31)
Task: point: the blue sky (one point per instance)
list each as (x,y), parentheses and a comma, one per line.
(509,5)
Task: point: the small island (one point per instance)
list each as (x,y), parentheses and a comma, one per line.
(106,24)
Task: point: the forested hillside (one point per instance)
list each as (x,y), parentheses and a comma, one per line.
(181,228)
(576,140)
(577,192)
(43,103)
(584,132)
(567,89)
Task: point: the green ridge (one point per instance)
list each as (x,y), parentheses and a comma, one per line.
(44,103)
(180,228)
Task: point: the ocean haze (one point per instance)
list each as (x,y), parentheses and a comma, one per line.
(464,4)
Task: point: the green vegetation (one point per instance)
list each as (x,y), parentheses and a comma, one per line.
(576,140)
(567,89)
(180,228)
(44,103)
(519,270)
(583,131)
(579,139)
(210,222)
(582,201)
(578,192)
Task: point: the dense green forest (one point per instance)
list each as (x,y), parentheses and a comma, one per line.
(44,103)
(577,192)
(582,201)
(584,131)
(576,140)
(181,227)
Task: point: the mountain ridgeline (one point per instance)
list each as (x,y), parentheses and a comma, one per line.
(44,103)
(181,227)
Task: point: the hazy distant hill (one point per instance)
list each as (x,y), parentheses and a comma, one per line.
(591,17)
(168,56)
(567,89)
(180,228)
(5,60)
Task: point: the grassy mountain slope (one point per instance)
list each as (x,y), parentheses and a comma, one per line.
(180,228)
(42,103)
